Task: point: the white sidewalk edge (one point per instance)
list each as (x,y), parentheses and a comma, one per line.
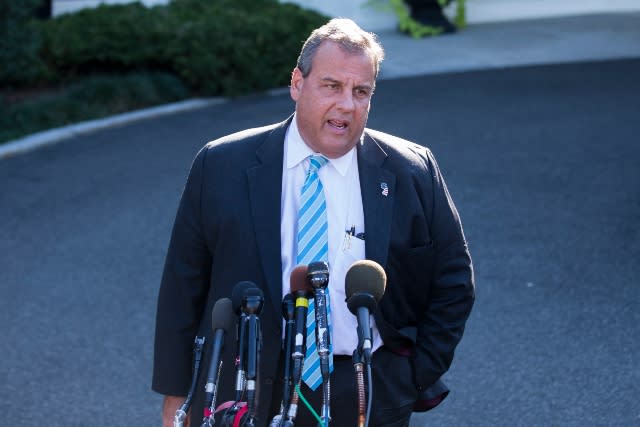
(51,136)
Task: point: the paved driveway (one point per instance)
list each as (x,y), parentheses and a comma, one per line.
(543,163)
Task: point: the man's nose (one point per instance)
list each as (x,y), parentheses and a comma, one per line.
(346,101)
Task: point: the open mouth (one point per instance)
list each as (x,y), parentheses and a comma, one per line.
(338,124)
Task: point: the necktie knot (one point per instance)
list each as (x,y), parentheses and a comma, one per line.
(317,161)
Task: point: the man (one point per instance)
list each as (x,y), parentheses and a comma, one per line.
(238,220)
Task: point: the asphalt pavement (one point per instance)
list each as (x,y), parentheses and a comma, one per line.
(542,161)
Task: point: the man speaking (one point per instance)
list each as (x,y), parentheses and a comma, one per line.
(319,187)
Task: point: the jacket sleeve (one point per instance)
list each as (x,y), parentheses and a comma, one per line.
(452,294)
(183,290)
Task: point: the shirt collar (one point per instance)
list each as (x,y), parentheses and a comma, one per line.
(297,151)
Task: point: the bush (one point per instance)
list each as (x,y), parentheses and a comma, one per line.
(116,38)
(93,97)
(19,43)
(221,47)
(115,58)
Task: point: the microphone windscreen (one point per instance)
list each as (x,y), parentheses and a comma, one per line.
(318,275)
(222,315)
(318,267)
(299,280)
(238,293)
(253,292)
(252,301)
(288,307)
(365,276)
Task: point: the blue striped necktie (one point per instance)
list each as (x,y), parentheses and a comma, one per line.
(313,245)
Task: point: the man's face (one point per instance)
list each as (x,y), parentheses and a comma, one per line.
(332,102)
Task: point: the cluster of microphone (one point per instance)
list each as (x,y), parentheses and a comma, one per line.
(365,283)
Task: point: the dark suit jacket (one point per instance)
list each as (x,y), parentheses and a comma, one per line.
(227,230)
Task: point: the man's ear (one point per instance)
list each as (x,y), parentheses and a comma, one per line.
(296,83)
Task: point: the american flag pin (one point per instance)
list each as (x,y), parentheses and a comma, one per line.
(385,189)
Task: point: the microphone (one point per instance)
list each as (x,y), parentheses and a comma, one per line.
(300,290)
(222,322)
(318,276)
(252,306)
(288,309)
(236,298)
(365,283)
(288,313)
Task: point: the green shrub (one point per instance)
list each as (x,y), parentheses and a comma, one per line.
(19,43)
(111,38)
(90,98)
(217,47)
(141,56)
(233,47)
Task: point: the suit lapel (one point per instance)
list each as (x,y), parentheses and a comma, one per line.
(377,204)
(265,188)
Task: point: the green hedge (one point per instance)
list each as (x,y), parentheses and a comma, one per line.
(116,38)
(221,47)
(19,43)
(116,58)
(89,98)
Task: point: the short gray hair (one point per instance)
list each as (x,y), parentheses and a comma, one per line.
(348,35)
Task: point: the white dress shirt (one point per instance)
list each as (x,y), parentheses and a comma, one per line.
(341,184)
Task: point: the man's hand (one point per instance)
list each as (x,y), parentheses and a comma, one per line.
(169,407)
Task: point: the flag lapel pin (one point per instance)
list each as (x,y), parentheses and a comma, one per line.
(385,189)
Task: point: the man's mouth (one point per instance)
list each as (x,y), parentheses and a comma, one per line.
(338,124)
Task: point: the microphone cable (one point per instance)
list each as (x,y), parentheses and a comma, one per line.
(309,407)
(370,385)
(181,413)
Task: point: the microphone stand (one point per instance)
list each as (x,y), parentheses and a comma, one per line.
(358,367)
(362,358)
(181,413)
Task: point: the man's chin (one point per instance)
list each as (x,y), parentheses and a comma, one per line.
(337,148)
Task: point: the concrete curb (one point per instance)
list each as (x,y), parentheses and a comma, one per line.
(51,136)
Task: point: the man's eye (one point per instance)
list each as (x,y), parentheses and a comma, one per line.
(362,93)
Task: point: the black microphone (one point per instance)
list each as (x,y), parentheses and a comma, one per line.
(236,299)
(300,290)
(288,310)
(288,313)
(223,321)
(365,283)
(318,276)
(252,306)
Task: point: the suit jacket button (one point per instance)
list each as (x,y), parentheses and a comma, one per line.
(268,381)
